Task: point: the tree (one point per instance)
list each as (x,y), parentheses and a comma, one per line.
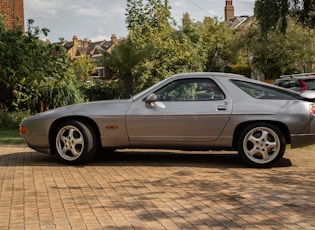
(277,53)
(140,16)
(83,67)
(150,25)
(122,60)
(34,75)
(272,14)
(217,41)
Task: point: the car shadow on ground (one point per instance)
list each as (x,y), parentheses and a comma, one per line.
(169,158)
(158,158)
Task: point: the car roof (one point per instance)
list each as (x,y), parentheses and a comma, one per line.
(206,74)
(299,76)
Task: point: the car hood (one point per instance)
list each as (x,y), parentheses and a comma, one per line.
(110,107)
(90,109)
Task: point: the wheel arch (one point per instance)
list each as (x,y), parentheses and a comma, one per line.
(284,129)
(82,119)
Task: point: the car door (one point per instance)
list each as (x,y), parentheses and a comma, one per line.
(186,110)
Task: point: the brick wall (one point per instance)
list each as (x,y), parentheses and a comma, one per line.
(14,12)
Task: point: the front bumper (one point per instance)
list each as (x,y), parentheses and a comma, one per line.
(38,143)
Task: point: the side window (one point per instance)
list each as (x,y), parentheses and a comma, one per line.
(292,84)
(263,91)
(199,89)
(286,83)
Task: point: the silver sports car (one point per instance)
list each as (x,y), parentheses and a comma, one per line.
(193,111)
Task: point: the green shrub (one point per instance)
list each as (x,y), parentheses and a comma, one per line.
(11,120)
(100,90)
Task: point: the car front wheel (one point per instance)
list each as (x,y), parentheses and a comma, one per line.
(261,145)
(74,142)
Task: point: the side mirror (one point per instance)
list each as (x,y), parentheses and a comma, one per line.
(150,100)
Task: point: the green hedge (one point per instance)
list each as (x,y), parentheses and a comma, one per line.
(12,120)
(100,90)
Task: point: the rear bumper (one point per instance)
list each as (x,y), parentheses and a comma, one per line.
(301,140)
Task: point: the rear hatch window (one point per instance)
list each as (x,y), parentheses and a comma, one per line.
(310,83)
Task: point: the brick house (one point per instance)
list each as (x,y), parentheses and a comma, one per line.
(77,48)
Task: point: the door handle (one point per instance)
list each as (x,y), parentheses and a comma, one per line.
(222,107)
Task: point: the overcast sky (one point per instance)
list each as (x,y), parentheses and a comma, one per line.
(97,20)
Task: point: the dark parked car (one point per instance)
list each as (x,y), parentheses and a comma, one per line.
(193,111)
(297,82)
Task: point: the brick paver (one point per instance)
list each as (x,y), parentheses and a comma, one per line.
(143,189)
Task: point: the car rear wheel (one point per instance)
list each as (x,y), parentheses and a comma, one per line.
(261,145)
(74,142)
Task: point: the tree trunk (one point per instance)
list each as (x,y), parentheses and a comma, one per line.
(128,84)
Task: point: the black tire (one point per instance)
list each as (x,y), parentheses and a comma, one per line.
(74,142)
(261,145)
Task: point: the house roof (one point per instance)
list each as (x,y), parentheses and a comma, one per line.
(78,47)
(240,21)
(67,45)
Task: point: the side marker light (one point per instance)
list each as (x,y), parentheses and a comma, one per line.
(22,129)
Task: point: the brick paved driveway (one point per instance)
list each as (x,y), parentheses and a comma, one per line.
(156,190)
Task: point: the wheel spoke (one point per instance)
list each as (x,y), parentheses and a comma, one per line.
(76,153)
(258,151)
(63,139)
(253,139)
(78,141)
(70,134)
(264,154)
(264,136)
(252,152)
(65,149)
(271,145)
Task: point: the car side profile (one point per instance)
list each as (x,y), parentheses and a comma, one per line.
(191,111)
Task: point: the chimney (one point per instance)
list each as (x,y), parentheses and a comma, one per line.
(85,42)
(14,12)
(75,40)
(114,39)
(229,10)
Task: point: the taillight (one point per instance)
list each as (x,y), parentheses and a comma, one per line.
(304,86)
(313,109)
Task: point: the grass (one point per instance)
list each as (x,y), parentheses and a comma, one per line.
(9,127)
(11,136)
(309,147)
